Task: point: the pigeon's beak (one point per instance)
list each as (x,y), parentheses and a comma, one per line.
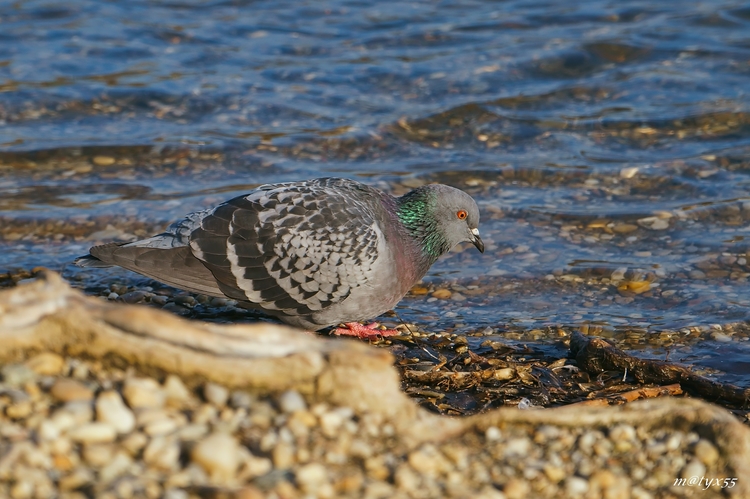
(476,240)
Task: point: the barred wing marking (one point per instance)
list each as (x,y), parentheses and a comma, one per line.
(297,248)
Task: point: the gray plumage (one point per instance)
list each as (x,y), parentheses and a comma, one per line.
(313,253)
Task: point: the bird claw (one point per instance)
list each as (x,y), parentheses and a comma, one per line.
(364,332)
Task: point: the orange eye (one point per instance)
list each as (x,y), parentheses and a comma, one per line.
(462,215)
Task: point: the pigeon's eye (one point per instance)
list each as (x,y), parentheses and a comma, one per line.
(462,215)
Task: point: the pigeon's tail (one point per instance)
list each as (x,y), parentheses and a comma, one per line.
(90,261)
(174,266)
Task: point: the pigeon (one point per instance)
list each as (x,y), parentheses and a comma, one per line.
(314,253)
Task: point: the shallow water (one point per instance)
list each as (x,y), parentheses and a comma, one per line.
(607,143)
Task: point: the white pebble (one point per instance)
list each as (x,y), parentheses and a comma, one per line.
(216,394)
(291,401)
(143,393)
(219,455)
(576,486)
(111,409)
(93,433)
(493,433)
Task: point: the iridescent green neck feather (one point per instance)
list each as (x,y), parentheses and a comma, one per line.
(416,210)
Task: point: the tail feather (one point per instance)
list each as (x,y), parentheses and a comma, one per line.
(174,266)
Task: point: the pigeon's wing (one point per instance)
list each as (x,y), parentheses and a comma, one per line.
(295,248)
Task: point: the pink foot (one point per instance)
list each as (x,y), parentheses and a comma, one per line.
(364,332)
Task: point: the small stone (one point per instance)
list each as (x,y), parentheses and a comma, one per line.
(97,455)
(311,477)
(219,455)
(493,433)
(283,455)
(628,172)
(407,479)
(554,473)
(576,486)
(163,453)
(291,401)
(693,468)
(160,426)
(46,364)
(216,394)
(602,479)
(133,296)
(143,393)
(93,433)
(70,390)
(116,467)
(103,160)
(176,392)
(134,442)
(330,423)
(19,410)
(17,374)
(622,432)
(441,294)
(77,479)
(706,452)
(517,489)
(22,489)
(517,447)
(111,409)
(240,399)
(428,460)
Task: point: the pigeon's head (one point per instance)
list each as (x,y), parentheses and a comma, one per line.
(441,217)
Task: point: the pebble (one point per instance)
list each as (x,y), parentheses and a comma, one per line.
(693,468)
(103,160)
(576,486)
(493,433)
(17,374)
(111,409)
(117,466)
(219,455)
(216,394)
(442,294)
(162,453)
(93,433)
(291,401)
(157,441)
(706,452)
(46,363)
(517,489)
(143,393)
(97,455)
(311,477)
(176,393)
(70,390)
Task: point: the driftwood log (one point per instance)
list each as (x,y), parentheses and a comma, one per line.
(48,315)
(595,355)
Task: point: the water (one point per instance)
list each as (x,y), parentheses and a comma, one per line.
(607,143)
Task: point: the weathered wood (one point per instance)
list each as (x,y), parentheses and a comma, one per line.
(47,315)
(596,355)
